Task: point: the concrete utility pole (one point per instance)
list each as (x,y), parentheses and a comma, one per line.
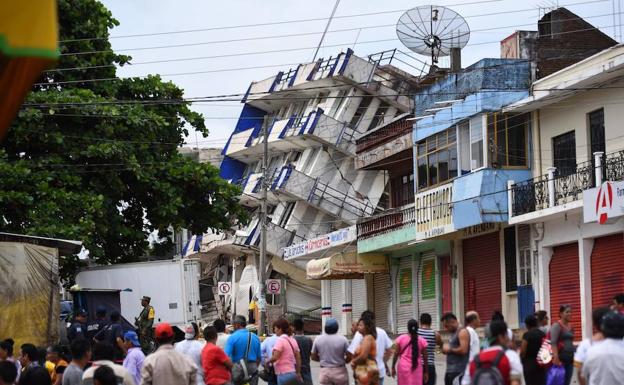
(263,230)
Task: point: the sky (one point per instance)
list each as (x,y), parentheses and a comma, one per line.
(211,21)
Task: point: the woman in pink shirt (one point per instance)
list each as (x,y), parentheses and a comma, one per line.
(286,359)
(411,354)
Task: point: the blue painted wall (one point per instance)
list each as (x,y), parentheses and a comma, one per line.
(481,196)
(250,119)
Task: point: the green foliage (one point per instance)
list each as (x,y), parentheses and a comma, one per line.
(105,172)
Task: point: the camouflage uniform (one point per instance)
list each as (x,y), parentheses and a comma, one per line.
(145,323)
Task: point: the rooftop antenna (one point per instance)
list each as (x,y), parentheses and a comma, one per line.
(326,28)
(435,31)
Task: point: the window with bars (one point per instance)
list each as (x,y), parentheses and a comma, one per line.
(508,140)
(437,158)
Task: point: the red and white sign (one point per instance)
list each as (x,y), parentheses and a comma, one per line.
(274,286)
(603,203)
(225,288)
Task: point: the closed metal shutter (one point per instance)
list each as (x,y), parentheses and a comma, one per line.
(337,298)
(482,275)
(405,294)
(358,297)
(607,269)
(381,298)
(565,286)
(427,287)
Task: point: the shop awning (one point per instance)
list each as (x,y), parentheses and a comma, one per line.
(347,265)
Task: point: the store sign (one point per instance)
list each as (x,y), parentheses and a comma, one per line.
(405,286)
(600,204)
(336,238)
(434,215)
(480,229)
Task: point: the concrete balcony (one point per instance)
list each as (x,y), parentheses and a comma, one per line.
(294,133)
(385,143)
(293,184)
(392,228)
(277,238)
(251,190)
(561,191)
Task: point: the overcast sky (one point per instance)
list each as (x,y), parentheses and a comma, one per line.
(155,16)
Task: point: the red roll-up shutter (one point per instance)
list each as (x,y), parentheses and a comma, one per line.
(565,286)
(482,275)
(607,269)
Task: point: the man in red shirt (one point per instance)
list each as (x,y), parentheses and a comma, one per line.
(215,362)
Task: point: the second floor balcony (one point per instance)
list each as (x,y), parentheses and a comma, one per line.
(391,228)
(277,238)
(561,191)
(386,142)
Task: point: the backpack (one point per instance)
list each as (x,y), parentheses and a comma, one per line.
(487,373)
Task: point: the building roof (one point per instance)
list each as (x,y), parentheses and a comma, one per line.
(64,246)
(593,72)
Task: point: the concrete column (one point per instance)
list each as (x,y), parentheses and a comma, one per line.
(326,310)
(510,199)
(551,186)
(544,257)
(234,292)
(586,245)
(457,276)
(347,307)
(598,170)
(394,274)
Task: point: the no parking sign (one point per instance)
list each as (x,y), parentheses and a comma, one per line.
(274,286)
(225,288)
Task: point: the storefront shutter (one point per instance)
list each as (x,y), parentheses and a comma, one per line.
(607,269)
(358,297)
(381,296)
(482,275)
(428,284)
(336,299)
(565,287)
(405,294)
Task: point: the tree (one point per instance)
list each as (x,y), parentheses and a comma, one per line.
(98,161)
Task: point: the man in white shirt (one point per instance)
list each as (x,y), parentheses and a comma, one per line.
(384,345)
(472,322)
(605,361)
(192,348)
(103,355)
(222,336)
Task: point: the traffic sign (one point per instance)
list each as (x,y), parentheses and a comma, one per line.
(274,286)
(225,288)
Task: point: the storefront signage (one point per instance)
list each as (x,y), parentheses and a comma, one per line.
(475,230)
(434,216)
(324,242)
(600,204)
(405,286)
(428,282)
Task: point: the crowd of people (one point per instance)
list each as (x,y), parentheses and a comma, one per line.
(103,354)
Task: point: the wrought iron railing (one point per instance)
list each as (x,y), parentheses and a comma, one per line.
(567,185)
(383,135)
(389,221)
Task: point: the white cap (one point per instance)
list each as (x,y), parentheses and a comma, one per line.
(189,332)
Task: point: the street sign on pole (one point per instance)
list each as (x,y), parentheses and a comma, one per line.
(225,288)
(274,286)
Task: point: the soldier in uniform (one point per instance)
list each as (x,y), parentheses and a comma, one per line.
(145,322)
(78,329)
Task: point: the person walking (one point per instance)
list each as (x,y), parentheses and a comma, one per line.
(383,344)
(331,350)
(305,348)
(411,353)
(456,350)
(166,366)
(78,328)
(364,362)
(145,322)
(192,348)
(6,354)
(562,342)
(103,355)
(134,355)
(286,357)
(222,338)
(266,349)
(605,360)
(244,345)
(472,322)
(580,356)
(81,355)
(506,361)
(215,363)
(433,339)
(534,374)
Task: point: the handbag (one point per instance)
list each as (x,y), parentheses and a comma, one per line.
(240,371)
(556,375)
(545,354)
(267,374)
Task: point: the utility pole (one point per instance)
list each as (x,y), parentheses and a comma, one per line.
(263,229)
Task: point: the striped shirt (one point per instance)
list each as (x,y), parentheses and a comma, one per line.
(430,336)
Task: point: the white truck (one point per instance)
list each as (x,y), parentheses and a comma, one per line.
(173,286)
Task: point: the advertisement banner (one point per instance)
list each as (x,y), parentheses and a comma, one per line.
(405,286)
(428,288)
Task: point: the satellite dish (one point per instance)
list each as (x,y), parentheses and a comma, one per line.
(432,30)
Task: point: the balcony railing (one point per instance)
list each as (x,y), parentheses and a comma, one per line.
(390,221)
(384,135)
(277,238)
(559,187)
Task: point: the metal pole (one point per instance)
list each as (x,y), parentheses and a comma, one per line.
(263,231)
(325,31)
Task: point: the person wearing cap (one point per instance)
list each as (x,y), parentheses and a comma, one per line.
(134,355)
(145,322)
(166,366)
(98,324)
(605,361)
(78,328)
(192,348)
(332,351)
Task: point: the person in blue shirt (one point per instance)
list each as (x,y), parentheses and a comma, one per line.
(267,353)
(236,347)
